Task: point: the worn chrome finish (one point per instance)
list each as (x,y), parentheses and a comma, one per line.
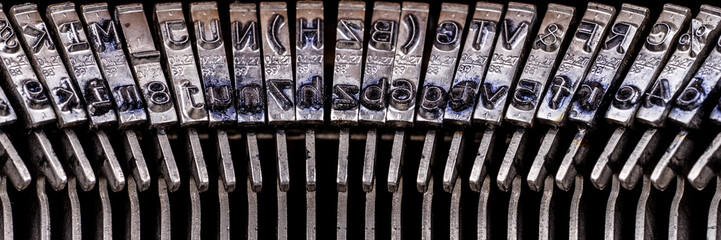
(370,212)
(502,72)
(403,85)
(277,62)
(575,154)
(343,158)
(612,218)
(369,160)
(226,168)
(536,177)
(254,170)
(223,227)
(456,215)
(194,213)
(132,212)
(427,212)
(108,48)
(542,60)
(163,230)
(213,64)
(194,152)
(648,64)
(454,161)
(309,80)
(379,62)
(692,104)
(345,97)
(309,77)
(24,88)
(395,167)
(45,60)
(348,62)
(645,212)
(74,48)
(109,167)
(66,102)
(602,171)
(40,225)
(632,169)
(514,228)
(577,218)
(396,213)
(613,58)
(482,33)
(402,89)
(72,222)
(145,62)
(441,64)
(247,64)
(515,34)
(424,176)
(575,64)
(283,183)
(546,212)
(106,44)
(483,227)
(183,73)
(342,183)
(713,231)
(6,221)
(104,214)
(693,47)
(179,62)
(479,170)
(679,219)
(673,162)
(77,161)
(704,170)
(511,161)
(45,161)
(14,168)
(167,166)
(252,218)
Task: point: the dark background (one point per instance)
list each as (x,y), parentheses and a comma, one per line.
(327,155)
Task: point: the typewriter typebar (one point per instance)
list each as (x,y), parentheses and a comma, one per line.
(354,119)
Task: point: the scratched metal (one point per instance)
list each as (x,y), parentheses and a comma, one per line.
(441,63)
(108,49)
(348,62)
(472,63)
(503,69)
(47,62)
(541,61)
(614,55)
(76,53)
(691,104)
(575,64)
(247,64)
(543,58)
(692,48)
(309,77)
(174,38)
(379,62)
(405,79)
(648,64)
(20,79)
(145,62)
(277,62)
(213,63)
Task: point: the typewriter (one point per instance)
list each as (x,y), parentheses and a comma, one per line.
(360,120)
